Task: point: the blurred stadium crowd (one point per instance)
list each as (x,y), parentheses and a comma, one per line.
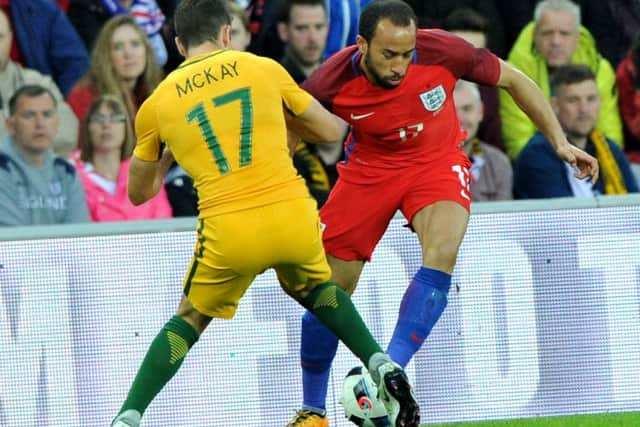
(74,72)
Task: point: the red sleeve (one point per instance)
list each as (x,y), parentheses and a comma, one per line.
(325,82)
(438,47)
(80,98)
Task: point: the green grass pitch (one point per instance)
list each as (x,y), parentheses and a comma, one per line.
(628,419)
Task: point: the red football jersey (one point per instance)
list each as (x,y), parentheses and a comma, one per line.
(416,122)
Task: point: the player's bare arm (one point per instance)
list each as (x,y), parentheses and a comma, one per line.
(316,124)
(532,101)
(147,178)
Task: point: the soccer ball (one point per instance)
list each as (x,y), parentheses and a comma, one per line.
(360,400)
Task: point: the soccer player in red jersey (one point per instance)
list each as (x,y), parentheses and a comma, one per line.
(395,89)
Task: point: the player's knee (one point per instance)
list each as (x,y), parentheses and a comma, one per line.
(441,256)
(347,285)
(192,316)
(197,320)
(345,274)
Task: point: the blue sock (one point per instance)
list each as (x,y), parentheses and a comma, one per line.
(421,307)
(318,347)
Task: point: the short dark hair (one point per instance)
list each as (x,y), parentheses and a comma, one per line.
(198,21)
(572,73)
(397,11)
(466,19)
(285,6)
(30,91)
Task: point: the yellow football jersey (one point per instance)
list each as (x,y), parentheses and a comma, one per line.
(221,114)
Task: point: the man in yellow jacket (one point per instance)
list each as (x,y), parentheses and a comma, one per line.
(555,37)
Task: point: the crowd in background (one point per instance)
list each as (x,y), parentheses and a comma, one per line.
(73,73)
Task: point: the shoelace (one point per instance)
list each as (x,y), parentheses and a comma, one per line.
(301,415)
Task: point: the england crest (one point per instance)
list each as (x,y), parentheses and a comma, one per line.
(434,98)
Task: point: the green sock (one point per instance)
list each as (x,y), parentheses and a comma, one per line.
(333,307)
(164,357)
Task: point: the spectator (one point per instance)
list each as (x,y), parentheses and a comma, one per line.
(14,76)
(342,15)
(471,26)
(149,17)
(538,171)
(491,175)
(240,34)
(88,16)
(628,79)
(614,25)
(103,165)
(432,14)
(122,64)
(36,186)
(556,38)
(46,41)
(303,28)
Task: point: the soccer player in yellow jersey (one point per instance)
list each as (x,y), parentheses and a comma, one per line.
(221,115)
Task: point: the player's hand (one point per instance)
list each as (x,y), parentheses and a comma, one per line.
(586,165)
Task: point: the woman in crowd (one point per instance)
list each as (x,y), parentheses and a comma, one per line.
(240,33)
(88,16)
(122,64)
(103,165)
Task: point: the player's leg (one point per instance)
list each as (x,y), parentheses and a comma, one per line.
(333,307)
(345,273)
(163,359)
(440,227)
(318,344)
(353,226)
(212,288)
(306,281)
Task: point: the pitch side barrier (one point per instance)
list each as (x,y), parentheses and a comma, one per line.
(543,319)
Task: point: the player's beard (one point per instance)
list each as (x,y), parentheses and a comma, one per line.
(378,79)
